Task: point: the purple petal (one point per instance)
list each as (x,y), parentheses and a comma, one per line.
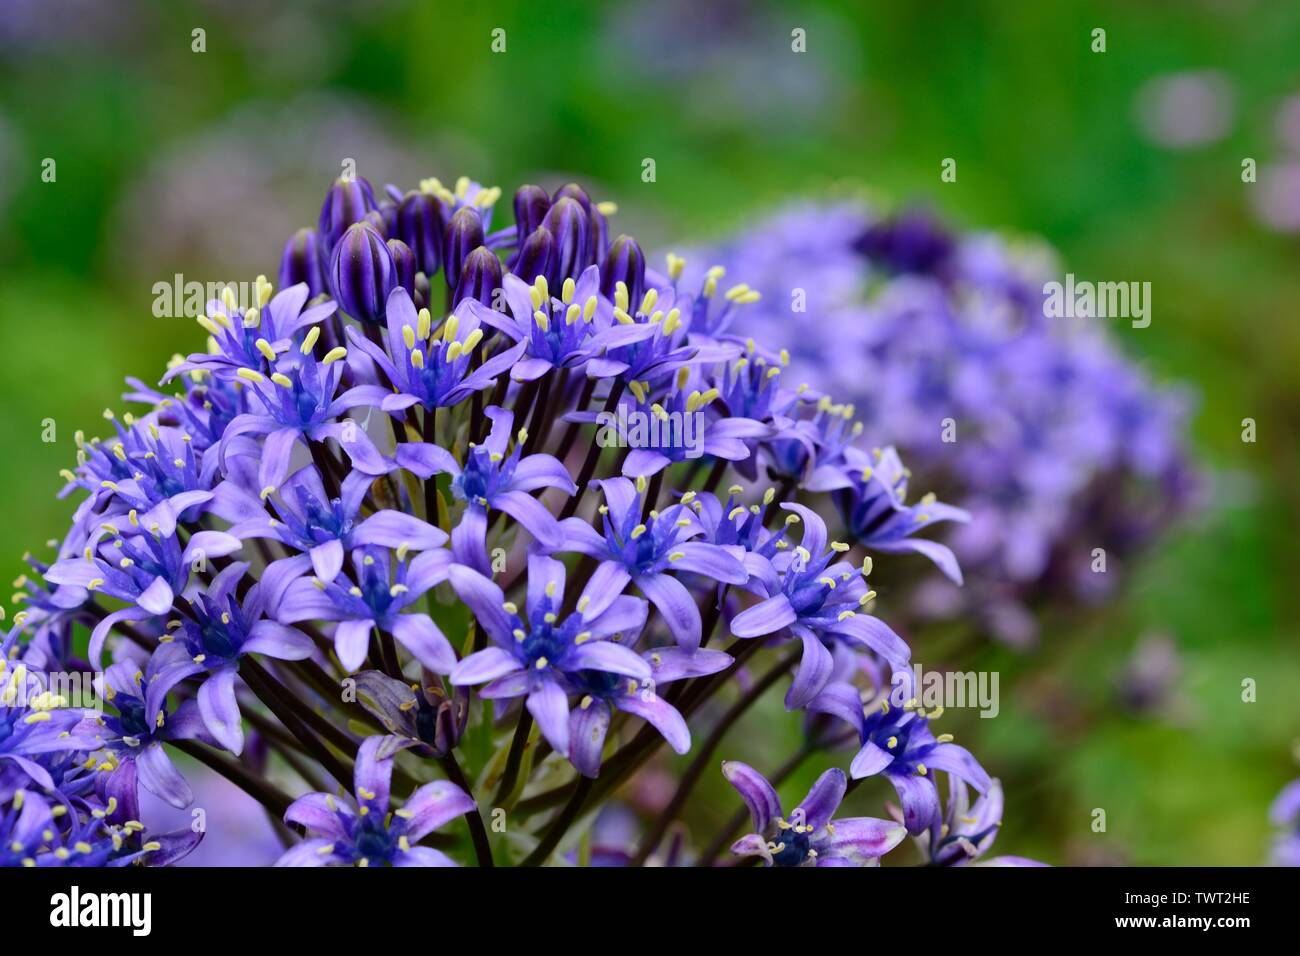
(822,800)
(675,605)
(419,635)
(765,617)
(392,529)
(220,710)
(764,805)
(549,706)
(278,641)
(588,725)
(485,601)
(327,559)
(352,642)
(533,515)
(608,657)
(711,561)
(920,801)
(861,839)
(483,666)
(661,715)
(161,778)
(814,671)
(431,806)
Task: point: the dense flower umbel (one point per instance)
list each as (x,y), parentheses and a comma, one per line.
(1051,440)
(361,511)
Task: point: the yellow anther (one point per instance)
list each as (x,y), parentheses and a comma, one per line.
(334,354)
(264,347)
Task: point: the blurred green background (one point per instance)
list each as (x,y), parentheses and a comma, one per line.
(201,163)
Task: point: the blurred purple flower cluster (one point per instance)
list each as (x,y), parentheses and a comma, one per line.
(1053,441)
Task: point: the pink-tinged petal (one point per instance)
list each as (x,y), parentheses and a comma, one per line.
(765,617)
(425,460)
(608,657)
(860,839)
(759,796)
(815,669)
(278,641)
(485,600)
(419,635)
(220,710)
(752,845)
(276,451)
(431,806)
(392,529)
(327,559)
(309,853)
(373,774)
(352,643)
(711,561)
(603,588)
(313,813)
(541,471)
(822,800)
(157,598)
(483,666)
(920,801)
(588,727)
(660,714)
(533,515)
(877,635)
(549,706)
(161,778)
(675,604)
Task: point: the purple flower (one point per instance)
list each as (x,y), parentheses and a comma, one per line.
(217,628)
(643,552)
(818,599)
(897,742)
(871,501)
(602,692)
(494,480)
(361,831)
(376,596)
(809,837)
(539,654)
(967,829)
(135,734)
(1285,814)
(432,372)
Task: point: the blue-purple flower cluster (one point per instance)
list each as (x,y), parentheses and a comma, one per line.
(370,530)
(1053,442)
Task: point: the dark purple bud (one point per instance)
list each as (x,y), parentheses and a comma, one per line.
(375,219)
(570,226)
(304,260)
(362,273)
(421,223)
(531,204)
(536,257)
(912,242)
(464,235)
(347,202)
(404,263)
(480,277)
(440,719)
(626,264)
(578,194)
(422,295)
